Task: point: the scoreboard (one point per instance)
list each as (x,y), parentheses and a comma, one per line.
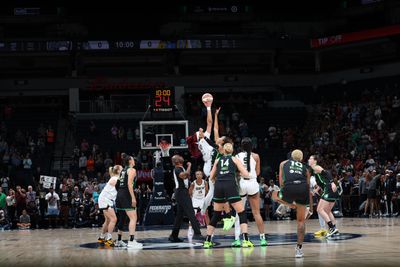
(163,99)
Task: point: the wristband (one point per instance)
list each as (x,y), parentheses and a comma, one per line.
(208,108)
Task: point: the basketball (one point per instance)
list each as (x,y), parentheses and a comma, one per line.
(207,97)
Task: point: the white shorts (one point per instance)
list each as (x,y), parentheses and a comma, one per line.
(207,168)
(105,203)
(249,187)
(198,203)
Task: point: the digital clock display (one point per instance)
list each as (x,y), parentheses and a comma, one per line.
(163,99)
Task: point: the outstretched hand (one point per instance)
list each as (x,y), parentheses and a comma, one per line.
(207,104)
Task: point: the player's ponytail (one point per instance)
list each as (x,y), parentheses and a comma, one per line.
(115,171)
(247,146)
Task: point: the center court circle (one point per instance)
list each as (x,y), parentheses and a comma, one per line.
(225,241)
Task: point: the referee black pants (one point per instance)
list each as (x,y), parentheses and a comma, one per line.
(184,206)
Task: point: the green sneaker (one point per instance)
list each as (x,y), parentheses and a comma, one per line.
(263,242)
(228,223)
(247,244)
(208,244)
(236,243)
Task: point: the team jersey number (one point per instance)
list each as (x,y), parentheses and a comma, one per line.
(297,164)
(245,161)
(224,166)
(296,167)
(224,163)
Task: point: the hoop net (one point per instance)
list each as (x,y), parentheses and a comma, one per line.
(165,147)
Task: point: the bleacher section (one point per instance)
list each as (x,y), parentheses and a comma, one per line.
(103,137)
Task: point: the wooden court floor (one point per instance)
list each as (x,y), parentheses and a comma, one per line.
(363,242)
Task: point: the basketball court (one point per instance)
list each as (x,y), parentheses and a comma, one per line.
(366,242)
(147,111)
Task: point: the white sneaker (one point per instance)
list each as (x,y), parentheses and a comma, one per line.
(135,245)
(121,244)
(299,253)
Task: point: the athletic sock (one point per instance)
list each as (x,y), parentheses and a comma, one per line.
(208,238)
(119,237)
(330,224)
(262,236)
(132,238)
(245,236)
(109,236)
(101,235)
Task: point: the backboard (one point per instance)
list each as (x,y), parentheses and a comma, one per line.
(153,132)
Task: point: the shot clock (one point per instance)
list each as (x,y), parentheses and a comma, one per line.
(163,99)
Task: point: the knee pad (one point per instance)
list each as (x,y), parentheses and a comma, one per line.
(242,217)
(215,218)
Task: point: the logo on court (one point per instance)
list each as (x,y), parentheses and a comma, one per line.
(225,241)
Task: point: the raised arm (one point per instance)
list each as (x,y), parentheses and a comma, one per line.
(185,175)
(209,117)
(216,126)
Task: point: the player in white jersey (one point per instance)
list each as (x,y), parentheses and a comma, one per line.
(205,148)
(198,191)
(250,189)
(106,204)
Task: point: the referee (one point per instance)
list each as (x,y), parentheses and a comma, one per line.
(183,200)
